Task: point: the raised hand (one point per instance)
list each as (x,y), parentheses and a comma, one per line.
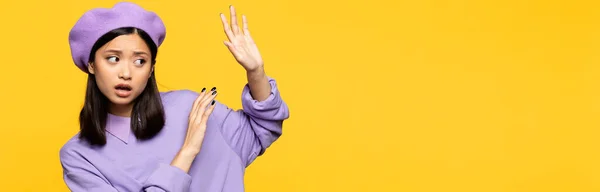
(240,43)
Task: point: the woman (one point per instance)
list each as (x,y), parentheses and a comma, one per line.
(134,138)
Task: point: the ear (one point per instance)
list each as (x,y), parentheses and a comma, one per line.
(91,67)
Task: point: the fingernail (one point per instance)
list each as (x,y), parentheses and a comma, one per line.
(203,89)
(212,103)
(213,89)
(214,93)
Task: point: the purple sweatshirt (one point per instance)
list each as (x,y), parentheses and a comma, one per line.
(233,139)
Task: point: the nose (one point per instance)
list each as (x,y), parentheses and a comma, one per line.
(125,73)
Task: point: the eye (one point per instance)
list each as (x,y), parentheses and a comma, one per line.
(140,62)
(112,59)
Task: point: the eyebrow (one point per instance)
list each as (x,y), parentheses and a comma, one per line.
(119,52)
(140,53)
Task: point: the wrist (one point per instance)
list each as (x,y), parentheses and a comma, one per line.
(183,160)
(187,152)
(256,75)
(258,71)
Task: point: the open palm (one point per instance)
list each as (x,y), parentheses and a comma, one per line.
(240,43)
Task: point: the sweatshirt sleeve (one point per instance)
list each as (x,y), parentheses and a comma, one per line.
(167,178)
(251,130)
(80,174)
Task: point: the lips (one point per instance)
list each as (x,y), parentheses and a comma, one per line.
(123,90)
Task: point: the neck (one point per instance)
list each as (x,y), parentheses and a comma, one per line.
(121,110)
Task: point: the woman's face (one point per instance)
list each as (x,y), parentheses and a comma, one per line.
(122,68)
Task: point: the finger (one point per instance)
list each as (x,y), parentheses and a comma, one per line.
(209,111)
(248,39)
(226,28)
(234,24)
(205,101)
(245,25)
(197,103)
(201,108)
(194,110)
(208,99)
(232,49)
(200,125)
(205,115)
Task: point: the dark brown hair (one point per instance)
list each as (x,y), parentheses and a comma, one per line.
(147,116)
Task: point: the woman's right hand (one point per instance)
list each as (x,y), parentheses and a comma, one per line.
(201,110)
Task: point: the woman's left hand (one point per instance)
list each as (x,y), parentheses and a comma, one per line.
(240,43)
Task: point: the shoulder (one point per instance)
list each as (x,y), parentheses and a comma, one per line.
(178,99)
(78,156)
(178,93)
(183,95)
(73,149)
(178,102)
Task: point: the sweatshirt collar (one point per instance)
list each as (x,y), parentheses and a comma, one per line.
(119,126)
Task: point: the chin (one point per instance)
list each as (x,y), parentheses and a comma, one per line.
(121,100)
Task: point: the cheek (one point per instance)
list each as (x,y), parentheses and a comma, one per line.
(142,80)
(102,68)
(104,75)
(103,83)
(141,84)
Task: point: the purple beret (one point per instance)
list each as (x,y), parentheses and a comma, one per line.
(97,22)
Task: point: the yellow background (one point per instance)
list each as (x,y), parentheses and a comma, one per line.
(401,95)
